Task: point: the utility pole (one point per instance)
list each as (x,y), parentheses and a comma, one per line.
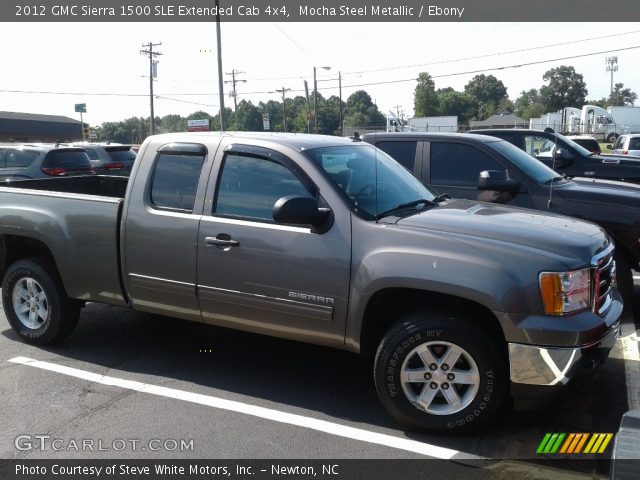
(284,108)
(612,66)
(220,81)
(152,62)
(234,93)
(340,100)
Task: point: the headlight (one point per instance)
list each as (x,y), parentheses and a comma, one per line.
(565,292)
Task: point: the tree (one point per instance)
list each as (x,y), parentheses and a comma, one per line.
(566,88)
(487,92)
(425,101)
(172,123)
(460,104)
(622,96)
(361,111)
(525,102)
(249,117)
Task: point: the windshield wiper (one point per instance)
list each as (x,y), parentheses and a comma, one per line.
(405,206)
(442,198)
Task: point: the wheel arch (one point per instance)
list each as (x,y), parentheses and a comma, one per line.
(387,305)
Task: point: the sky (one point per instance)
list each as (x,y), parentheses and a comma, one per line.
(85,59)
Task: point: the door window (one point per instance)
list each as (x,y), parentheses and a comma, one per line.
(175,181)
(403,152)
(250,186)
(539,146)
(459,165)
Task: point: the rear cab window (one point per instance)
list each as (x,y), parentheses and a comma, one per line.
(175,179)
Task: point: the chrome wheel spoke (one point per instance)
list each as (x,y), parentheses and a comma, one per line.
(31,286)
(33,316)
(426,396)
(41,297)
(427,357)
(451,357)
(413,375)
(22,292)
(24,308)
(452,398)
(42,312)
(466,377)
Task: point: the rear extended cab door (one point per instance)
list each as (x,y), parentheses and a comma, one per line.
(161,222)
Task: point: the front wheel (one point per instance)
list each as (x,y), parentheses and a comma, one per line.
(436,372)
(35,302)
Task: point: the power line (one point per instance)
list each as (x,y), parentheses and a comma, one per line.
(383,82)
(185,101)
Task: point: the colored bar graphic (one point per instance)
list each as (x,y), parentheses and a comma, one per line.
(555,443)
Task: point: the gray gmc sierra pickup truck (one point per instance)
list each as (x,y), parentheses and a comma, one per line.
(328,241)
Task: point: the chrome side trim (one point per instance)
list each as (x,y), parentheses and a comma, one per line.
(263,302)
(155,283)
(533,365)
(247,223)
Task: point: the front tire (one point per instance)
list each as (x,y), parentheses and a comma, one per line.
(435,372)
(35,302)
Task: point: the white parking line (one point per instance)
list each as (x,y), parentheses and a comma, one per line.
(331,428)
(631,355)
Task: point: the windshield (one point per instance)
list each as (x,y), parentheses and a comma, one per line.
(531,166)
(581,150)
(369,178)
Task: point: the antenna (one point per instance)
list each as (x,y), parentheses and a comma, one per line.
(553,166)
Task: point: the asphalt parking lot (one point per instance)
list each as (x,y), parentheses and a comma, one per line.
(230,395)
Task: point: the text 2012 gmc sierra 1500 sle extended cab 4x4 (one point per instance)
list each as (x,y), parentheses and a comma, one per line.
(328,241)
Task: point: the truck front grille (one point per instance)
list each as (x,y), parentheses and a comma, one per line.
(604,277)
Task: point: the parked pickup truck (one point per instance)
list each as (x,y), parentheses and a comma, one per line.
(478,167)
(567,157)
(328,241)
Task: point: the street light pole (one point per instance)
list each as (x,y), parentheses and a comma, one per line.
(315,98)
(220,77)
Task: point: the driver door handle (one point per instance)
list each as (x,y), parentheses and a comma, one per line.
(222,240)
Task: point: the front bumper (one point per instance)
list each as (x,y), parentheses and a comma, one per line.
(548,366)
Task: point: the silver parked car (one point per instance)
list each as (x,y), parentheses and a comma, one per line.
(24,161)
(627,145)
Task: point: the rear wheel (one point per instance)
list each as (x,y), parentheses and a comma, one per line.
(434,371)
(35,302)
(611,137)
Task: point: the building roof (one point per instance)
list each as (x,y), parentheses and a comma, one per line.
(502,119)
(30,125)
(37,117)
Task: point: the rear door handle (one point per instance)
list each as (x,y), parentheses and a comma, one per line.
(614,161)
(222,240)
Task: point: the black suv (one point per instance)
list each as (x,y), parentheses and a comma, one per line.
(485,168)
(567,157)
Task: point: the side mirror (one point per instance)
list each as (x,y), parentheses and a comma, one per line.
(294,210)
(498,181)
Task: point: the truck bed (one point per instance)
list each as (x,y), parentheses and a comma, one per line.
(102,185)
(78,220)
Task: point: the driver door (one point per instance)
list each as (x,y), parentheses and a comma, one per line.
(256,275)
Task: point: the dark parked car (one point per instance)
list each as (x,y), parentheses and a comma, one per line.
(485,168)
(567,157)
(110,158)
(588,142)
(22,161)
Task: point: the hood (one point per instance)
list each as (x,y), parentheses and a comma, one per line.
(546,233)
(598,191)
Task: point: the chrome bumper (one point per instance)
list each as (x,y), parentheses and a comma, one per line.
(549,366)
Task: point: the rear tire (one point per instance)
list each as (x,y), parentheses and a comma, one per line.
(611,137)
(435,372)
(35,302)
